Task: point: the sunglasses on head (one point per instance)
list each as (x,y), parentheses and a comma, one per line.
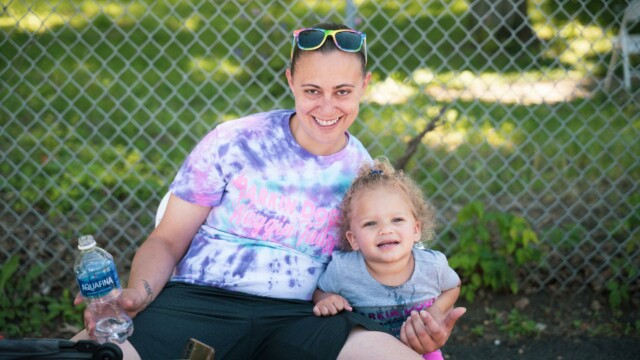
(345,39)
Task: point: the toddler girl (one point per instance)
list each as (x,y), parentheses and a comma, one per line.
(380,271)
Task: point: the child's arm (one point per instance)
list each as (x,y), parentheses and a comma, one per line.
(446,300)
(328,304)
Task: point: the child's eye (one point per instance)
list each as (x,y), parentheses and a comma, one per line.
(398,219)
(369,223)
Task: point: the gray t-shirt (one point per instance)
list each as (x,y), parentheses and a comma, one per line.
(347,276)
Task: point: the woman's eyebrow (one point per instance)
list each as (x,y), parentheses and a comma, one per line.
(335,87)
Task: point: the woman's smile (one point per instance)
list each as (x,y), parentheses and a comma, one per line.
(326,122)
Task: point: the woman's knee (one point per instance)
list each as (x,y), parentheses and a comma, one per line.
(82,335)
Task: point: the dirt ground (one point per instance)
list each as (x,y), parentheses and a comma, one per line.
(541,326)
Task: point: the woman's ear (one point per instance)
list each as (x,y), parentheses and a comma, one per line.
(352,240)
(367,79)
(289,78)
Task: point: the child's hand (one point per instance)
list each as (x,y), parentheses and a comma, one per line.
(329,304)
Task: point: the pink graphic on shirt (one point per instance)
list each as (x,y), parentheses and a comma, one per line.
(396,313)
(275,217)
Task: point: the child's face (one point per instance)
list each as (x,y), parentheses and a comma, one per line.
(383,226)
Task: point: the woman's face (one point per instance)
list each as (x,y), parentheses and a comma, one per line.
(327,88)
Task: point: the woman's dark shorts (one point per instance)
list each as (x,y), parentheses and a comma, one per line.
(239,326)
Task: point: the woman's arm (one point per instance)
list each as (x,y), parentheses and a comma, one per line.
(157,257)
(154,262)
(429,330)
(424,333)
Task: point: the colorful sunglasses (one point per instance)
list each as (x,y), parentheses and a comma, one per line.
(345,39)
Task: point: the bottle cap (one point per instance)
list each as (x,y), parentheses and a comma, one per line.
(86,242)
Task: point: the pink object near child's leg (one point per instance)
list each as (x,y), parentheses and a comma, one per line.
(435,355)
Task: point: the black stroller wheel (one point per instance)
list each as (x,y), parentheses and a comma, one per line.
(108,351)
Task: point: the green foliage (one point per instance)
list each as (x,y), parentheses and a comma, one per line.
(478,329)
(24,310)
(565,11)
(633,329)
(619,292)
(491,247)
(618,286)
(514,325)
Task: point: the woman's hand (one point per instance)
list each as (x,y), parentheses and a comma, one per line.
(425,332)
(329,304)
(133,302)
(130,300)
(89,321)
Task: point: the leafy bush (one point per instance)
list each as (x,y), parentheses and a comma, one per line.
(24,309)
(491,246)
(619,291)
(514,324)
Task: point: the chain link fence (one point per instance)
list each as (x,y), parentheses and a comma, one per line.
(101,101)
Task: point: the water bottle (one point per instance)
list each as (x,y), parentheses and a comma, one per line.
(99,284)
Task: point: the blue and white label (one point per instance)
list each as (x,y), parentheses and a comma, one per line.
(99,283)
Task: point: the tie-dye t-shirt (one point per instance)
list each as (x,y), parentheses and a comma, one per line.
(272,227)
(348,276)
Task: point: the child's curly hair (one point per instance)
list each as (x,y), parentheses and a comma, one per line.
(381,173)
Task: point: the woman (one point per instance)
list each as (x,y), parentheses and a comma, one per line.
(251,224)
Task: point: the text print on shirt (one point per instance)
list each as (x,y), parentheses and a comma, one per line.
(285,218)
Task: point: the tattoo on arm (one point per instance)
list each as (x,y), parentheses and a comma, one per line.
(149,291)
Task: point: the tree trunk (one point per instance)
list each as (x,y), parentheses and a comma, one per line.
(502,21)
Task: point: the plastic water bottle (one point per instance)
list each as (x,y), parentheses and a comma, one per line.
(99,284)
